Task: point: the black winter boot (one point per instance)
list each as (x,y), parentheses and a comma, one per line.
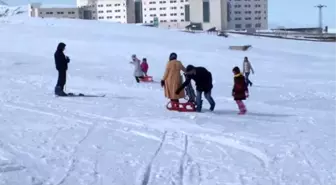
(59,91)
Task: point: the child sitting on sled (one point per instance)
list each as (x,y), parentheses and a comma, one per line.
(240,91)
(144,66)
(190,92)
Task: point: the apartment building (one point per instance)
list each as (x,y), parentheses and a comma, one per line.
(248,14)
(209,13)
(54,11)
(169,13)
(122,11)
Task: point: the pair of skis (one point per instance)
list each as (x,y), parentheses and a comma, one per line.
(82,95)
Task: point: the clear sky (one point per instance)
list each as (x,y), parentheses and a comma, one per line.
(287,13)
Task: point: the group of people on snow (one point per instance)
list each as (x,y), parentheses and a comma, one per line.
(172,81)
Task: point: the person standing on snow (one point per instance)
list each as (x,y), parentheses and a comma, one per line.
(172,79)
(239,91)
(247,68)
(203,81)
(137,68)
(61,62)
(144,66)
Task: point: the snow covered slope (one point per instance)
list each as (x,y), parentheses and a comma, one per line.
(128,137)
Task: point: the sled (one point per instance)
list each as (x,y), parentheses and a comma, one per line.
(146,79)
(181,107)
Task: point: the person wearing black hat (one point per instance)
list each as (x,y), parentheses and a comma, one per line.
(61,62)
(203,81)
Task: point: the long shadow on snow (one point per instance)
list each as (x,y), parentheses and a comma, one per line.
(232,112)
(267,87)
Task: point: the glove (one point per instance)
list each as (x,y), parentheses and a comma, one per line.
(67,59)
(247,94)
(162,83)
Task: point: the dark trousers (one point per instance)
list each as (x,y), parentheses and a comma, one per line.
(199,101)
(61,79)
(137,78)
(247,80)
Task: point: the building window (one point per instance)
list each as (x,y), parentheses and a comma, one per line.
(187,13)
(258,25)
(238,26)
(248,25)
(206,11)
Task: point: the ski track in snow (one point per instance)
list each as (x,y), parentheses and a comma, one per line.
(287,136)
(180,180)
(147,174)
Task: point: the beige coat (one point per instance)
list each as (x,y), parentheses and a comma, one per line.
(173,79)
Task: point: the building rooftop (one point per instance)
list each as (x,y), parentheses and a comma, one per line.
(57,6)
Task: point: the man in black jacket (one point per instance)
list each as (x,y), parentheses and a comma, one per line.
(61,62)
(203,81)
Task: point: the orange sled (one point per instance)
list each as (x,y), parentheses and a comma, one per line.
(181,107)
(146,79)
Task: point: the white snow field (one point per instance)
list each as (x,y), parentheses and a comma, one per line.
(129,138)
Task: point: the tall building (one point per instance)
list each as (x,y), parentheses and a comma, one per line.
(170,13)
(247,14)
(209,13)
(54,11)
(122,11)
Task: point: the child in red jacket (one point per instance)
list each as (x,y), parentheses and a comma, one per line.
(240,90)
(144,66)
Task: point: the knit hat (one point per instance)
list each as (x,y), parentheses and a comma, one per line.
(172,56)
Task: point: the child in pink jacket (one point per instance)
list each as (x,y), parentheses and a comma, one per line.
(144,66)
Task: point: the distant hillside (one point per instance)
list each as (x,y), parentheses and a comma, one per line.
(12,10)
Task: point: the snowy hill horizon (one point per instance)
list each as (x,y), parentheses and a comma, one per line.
(129,137)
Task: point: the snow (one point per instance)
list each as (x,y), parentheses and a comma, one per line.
(332,30)
(128,137)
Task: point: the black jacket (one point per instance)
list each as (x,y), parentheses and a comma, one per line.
(202,78)
(239,89)
(61,61)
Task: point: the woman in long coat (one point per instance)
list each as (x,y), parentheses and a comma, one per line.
(172,78)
